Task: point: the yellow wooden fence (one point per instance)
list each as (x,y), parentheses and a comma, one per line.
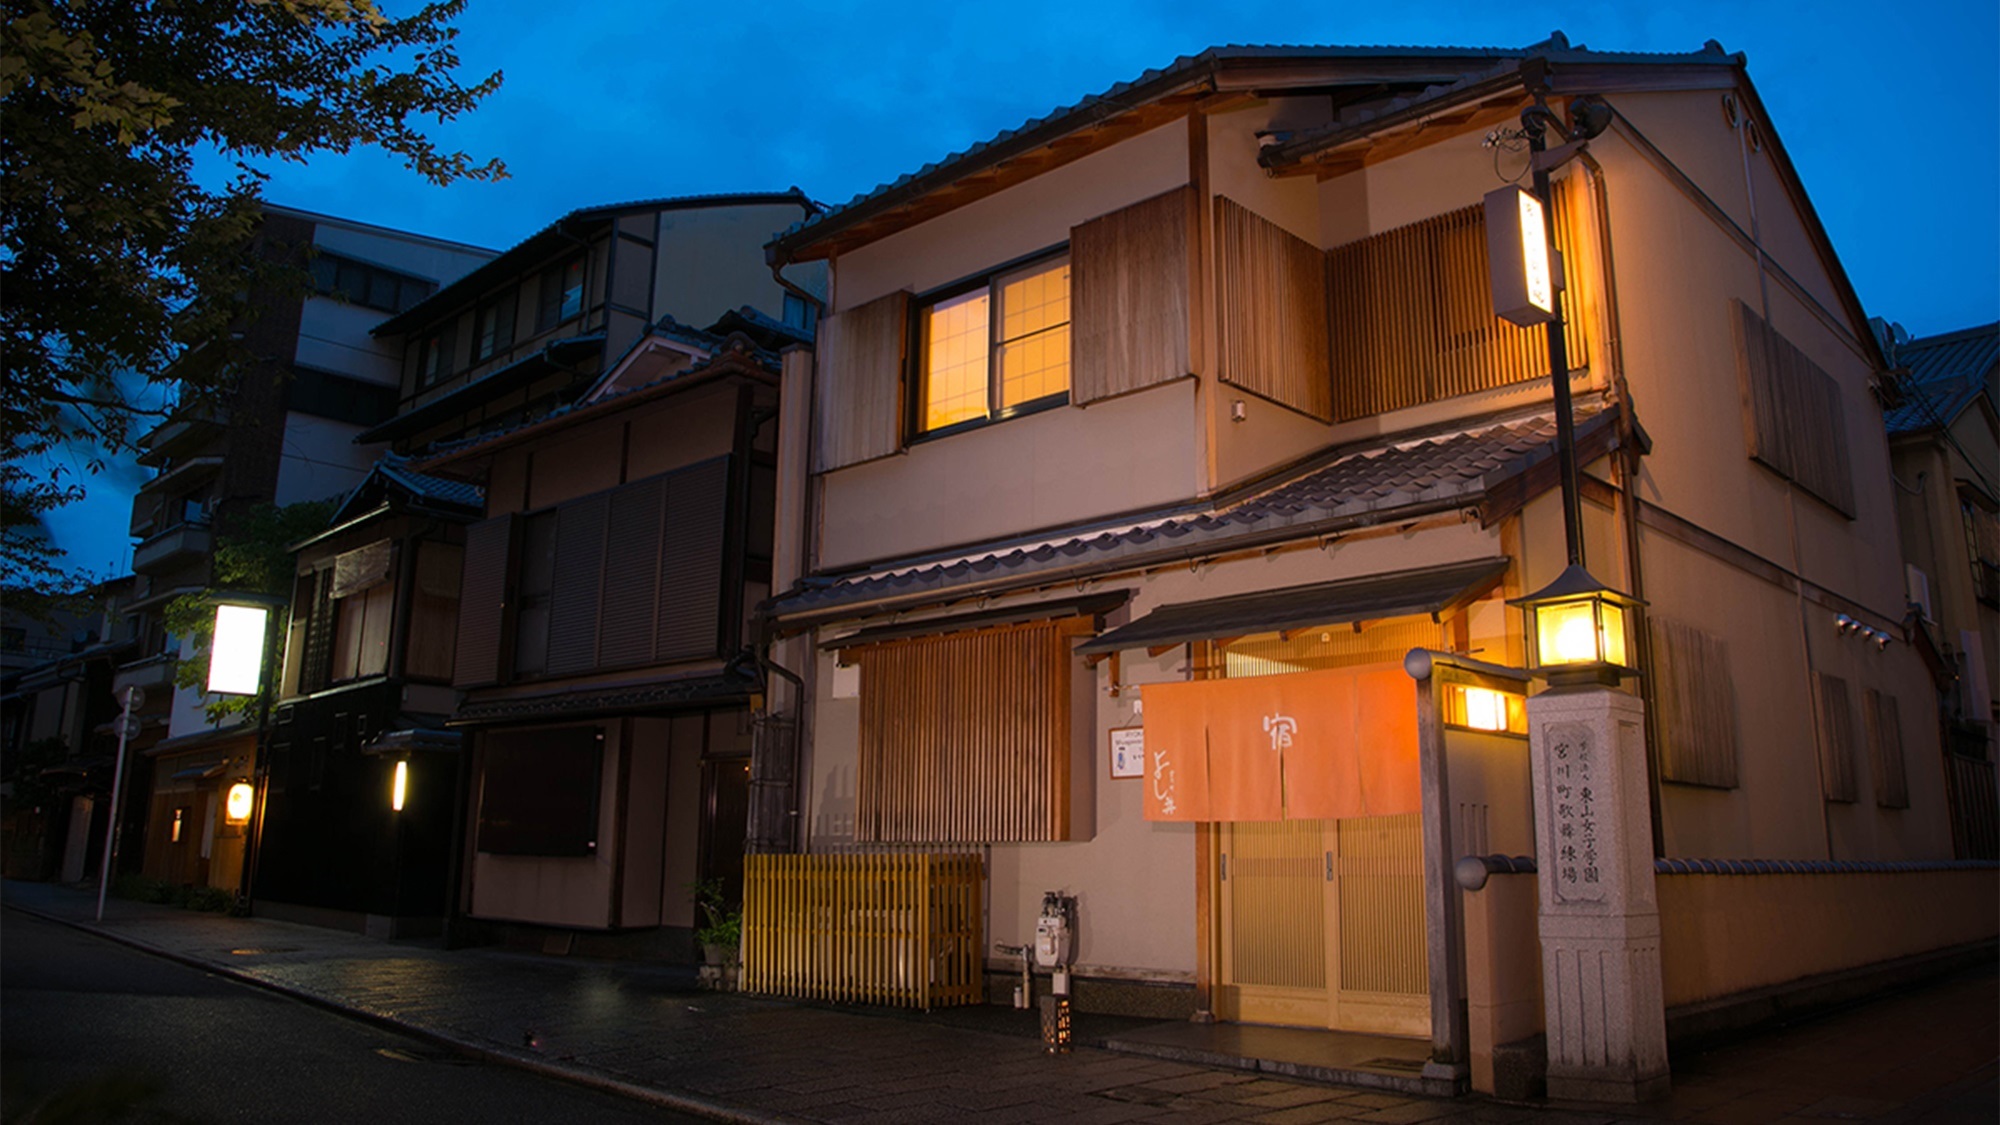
(898,930)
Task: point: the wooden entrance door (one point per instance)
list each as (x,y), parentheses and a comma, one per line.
(1322,924)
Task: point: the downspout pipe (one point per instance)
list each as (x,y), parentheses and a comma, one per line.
(1632,447)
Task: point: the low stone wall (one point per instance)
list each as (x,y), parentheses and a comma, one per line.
(1730,930)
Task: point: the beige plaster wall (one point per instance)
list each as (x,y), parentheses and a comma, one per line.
(574,464)
(1503,969)
(691,427)
(1047,469)
(682,801)
(1724,934)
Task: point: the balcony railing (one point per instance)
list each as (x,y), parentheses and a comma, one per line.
(172,547)
(899,930)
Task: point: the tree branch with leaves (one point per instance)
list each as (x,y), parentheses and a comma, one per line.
(115,256)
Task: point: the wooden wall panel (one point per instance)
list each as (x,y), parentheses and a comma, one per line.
(691,562)
(1411,319)
(1836,737)
(1793,419)
(631,574)
(483,653)
(1694,700)
(859,400)
(1271,311)
(1885,749)
(1131,273)
(434,611)
(573,601)
(965,737)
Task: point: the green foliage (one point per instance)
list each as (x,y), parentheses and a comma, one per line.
(142,888)
(115,258)
(723,923)
(252,556)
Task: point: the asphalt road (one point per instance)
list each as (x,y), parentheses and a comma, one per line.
(92,1031)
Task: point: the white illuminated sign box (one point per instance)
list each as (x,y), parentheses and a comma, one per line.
(236,651)
(1519,272)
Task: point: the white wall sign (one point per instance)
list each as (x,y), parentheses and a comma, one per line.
(1128,752)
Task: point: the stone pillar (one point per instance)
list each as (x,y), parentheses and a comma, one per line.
(1600,917)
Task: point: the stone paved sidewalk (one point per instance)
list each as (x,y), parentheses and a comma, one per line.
(1927,1055)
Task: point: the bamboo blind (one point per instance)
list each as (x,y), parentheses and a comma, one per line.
(1271,311)
(965,736)
(1695,703)
(1131,274)
(1885,749)
(1411,320)
(1792,414)
(860,401)
(1276,881)
(1382,937)
(901,930)
(1836,737)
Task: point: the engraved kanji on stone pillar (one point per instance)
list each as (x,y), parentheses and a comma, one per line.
(1600,918)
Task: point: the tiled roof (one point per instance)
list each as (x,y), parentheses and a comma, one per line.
(1356,484)
(1946,373)
(393,472)
(701,688)
(1187,69)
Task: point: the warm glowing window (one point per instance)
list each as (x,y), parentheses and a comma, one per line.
(996,348)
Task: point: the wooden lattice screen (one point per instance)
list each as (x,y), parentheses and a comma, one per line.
(965,736)
(1412,321)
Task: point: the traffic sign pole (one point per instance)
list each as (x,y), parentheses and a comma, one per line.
(131,699)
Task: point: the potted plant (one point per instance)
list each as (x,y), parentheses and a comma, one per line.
(721,933)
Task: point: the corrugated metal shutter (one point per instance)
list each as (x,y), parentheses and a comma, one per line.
(482,614)
(573,609)
(691,562)
(1271,311)
(859,398)
(631,574)
(1130,275)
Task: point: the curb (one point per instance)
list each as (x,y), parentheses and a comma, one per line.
(534,1064)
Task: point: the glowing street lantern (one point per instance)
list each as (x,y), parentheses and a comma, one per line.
(1580,630)
(236,649)
(400,787)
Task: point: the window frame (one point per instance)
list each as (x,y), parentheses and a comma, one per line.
(916,376)
(440,343)
(502,307)
(550,316)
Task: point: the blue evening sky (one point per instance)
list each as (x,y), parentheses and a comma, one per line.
(1890,112)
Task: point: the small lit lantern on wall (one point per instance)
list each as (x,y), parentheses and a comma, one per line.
(236,806)
(236,649)
(1580,631)
(400,787)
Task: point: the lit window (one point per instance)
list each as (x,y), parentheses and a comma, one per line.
(997,348)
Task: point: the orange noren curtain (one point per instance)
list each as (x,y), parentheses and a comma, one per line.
(1310,745)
